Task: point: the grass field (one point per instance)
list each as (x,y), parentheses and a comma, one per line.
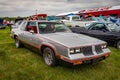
(23,64)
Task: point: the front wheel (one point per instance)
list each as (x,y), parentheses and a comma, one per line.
(49,57)
(118,44)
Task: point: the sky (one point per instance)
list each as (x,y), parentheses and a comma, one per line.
(13,8)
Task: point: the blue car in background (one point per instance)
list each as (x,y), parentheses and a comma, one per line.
(2,26)
(52,18)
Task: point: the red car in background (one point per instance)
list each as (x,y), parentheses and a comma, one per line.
(40,17)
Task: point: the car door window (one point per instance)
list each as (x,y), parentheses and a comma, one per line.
(31,26)
(100,27)
(67,18)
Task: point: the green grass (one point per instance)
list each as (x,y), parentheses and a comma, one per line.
(23,64)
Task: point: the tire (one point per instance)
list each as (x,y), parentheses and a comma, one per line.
(18,44)
(49,57)
(118,44)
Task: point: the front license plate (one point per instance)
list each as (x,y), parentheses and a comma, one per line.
(97,60)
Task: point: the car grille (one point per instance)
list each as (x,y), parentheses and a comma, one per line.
(87,50)
(98,49)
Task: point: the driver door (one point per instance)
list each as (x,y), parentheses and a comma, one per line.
(30,34)
(99,30)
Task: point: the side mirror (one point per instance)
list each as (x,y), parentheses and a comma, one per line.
(31,31)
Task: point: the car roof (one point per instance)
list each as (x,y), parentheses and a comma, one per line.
(42,21)
(102,22)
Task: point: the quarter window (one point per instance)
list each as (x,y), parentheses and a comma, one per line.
(31,26)
(23,26)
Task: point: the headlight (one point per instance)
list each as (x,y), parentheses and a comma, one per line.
(104,46)
(74,51)
(77,50)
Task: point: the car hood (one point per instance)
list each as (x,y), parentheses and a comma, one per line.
(115,33)
(72,39)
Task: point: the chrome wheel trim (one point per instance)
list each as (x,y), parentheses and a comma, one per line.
(48,58)
(17,43)
(118,46)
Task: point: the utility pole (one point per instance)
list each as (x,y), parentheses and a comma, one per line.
(36,11)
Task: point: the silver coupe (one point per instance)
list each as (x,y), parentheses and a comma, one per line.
(56,41)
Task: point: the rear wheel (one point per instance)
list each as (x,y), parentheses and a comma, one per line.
(49,57)
(18,44)
(118,44)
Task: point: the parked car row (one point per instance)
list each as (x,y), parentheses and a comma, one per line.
(108,32)
(16,25)
(75,21)
(56,41)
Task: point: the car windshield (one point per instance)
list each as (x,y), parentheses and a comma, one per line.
(50,27)
(75,18)
(113,27)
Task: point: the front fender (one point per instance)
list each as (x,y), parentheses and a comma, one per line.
(50,46)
